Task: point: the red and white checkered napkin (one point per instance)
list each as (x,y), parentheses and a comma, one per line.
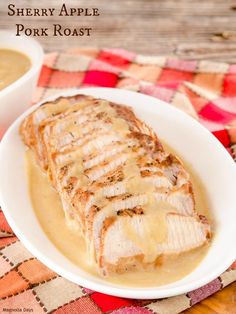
(205,90)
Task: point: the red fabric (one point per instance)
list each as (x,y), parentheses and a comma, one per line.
(216,114)
(109,303)
(100,78)
(230,85)
(223,137)
(113,59)
(170,75)
(45,76)
(63,79)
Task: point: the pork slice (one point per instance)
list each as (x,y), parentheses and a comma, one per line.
(87,128)
(32,125)
(55,133)
(78,124)
(183,234)
(136,125)
(95,159)
(119,188)
(180,198)
(172,201)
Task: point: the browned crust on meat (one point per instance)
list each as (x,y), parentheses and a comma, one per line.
(27,127)
(137,125)
(106,224)
(124,264)
(134,263)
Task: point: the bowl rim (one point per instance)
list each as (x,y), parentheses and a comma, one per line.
(35,66)
(127,292)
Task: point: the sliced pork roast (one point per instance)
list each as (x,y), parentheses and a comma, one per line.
(130,199)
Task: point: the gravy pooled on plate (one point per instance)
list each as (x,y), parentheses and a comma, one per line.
(13,65)
(48,208)
(130,199)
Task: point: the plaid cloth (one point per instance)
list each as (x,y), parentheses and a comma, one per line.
(205,90)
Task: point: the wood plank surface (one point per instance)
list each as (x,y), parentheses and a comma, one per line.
(188,29)
(222,302)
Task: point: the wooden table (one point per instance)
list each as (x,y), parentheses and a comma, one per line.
(222,302)
(189,29)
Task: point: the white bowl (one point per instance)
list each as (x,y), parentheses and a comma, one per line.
(16,98)
(192,141)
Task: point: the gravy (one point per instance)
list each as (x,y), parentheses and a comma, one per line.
(48,208)
(13,65)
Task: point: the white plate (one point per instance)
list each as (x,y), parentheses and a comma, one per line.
(192,141)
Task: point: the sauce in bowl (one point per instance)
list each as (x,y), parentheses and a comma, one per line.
(13,65)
